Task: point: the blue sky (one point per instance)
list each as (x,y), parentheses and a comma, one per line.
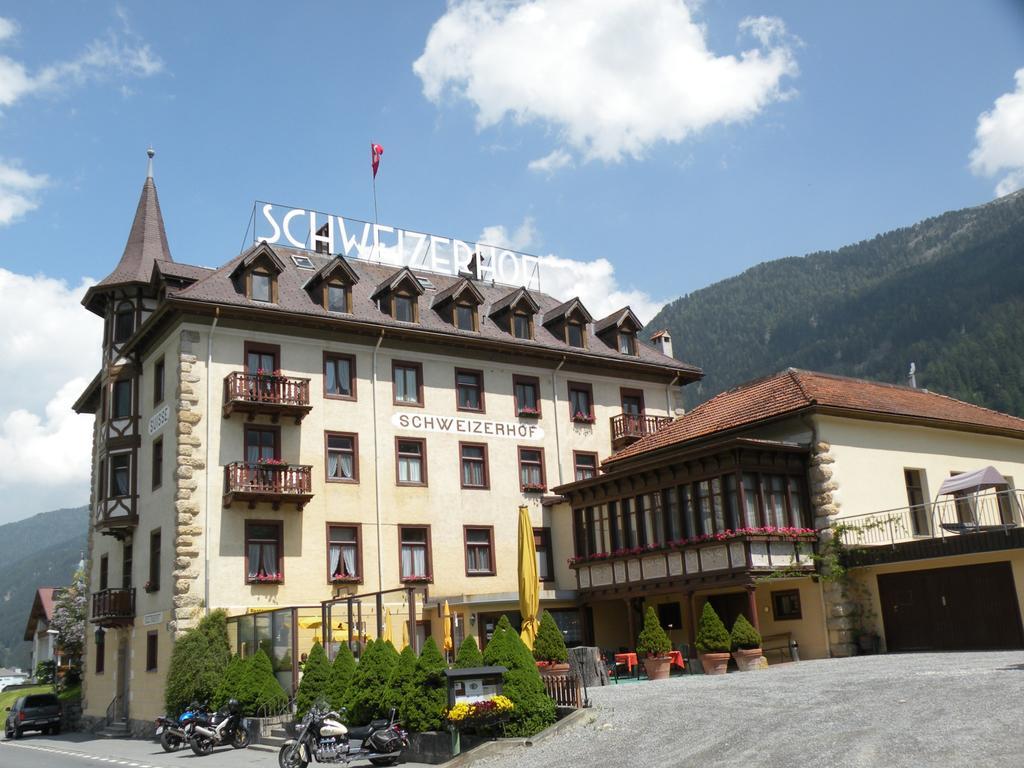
(680,144)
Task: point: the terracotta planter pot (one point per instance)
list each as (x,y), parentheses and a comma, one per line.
(749,660)
(552,669)
(714,663)
(657,667)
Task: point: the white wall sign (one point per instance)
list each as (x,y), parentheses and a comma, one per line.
(353,238)
(158,419)
(461,426)
(153,618)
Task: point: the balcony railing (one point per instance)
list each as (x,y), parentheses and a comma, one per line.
(627,428)
(265,393)
(990,511)
(113,607)
(273,483)
(713,558)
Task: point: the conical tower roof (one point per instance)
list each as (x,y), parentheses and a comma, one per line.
(147,243)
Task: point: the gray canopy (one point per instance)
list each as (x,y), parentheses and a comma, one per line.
(988,477)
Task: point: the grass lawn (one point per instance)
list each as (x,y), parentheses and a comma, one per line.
(7,698)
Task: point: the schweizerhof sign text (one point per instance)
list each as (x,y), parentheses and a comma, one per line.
(353,238)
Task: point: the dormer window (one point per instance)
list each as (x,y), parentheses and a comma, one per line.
(261,286)
(522,325)
(575,335)
(627,343)
(338,298)
(619,331)
(465,317)
(404,308)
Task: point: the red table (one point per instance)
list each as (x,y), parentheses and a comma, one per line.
(630,660)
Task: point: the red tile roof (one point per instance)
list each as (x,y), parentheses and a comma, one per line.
(793,390)
(42,608)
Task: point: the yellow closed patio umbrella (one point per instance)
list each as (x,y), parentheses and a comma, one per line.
(529,585)
(449,644)
(388,631)
(405,635)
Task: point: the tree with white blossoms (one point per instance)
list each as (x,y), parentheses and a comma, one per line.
(69,613)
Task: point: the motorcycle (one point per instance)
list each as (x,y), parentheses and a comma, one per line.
(174,733)
(223,727)
(321,736)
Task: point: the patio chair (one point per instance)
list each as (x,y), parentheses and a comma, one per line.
(688,657)
(611,664)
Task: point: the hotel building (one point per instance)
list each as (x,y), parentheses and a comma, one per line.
(716,506)
(293,427)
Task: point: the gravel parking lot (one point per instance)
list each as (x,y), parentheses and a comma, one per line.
(948,709)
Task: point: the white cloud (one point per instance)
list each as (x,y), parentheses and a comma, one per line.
(1000,140)
(117,54)
(613,76)
(48,353)
(555,160)
(594,281)
(524,238)
(18,192)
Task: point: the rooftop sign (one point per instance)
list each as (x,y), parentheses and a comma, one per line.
(353,238)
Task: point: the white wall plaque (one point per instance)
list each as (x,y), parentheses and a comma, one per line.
(158,419)
(153,618)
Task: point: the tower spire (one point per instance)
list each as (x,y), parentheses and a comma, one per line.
(149,165)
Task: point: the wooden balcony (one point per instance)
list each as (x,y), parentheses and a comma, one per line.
(627,428)
(269,483)
(735,559)
(268,394)
(113,607)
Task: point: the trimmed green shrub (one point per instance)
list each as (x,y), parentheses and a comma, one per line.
(712,636)
(315,682)
(342,670)
(469,655)
(550,645)
(365,696)
(231,683)
(263,693)
(744,636)
(426,696)
(652,641)
(401,677)
(534,710)
(198,660)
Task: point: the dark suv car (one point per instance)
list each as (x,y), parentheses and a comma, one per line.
(39,712)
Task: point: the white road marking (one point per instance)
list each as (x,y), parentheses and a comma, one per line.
(84,755)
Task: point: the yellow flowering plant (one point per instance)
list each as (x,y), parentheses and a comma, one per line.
(480,712)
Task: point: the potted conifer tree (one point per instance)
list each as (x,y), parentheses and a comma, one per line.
(653,647)
(713,642)
(549,647)
(746,645)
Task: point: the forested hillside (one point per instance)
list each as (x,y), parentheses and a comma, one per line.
(946,293)
(40,551)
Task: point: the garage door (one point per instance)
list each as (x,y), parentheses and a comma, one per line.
(971,607)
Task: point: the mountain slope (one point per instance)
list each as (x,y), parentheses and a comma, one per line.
(946,293)
(40,551)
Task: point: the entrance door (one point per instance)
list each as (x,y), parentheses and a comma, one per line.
(632,402)
(121,708)
(966,608)
(486,622)
(730,606)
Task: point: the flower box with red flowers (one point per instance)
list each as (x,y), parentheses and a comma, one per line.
(416,579)
(583,418)
(534,487)
(149,586)
(345,580)
(272,463)
(267,578)
(525,410)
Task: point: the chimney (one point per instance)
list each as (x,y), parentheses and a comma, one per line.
(662,342)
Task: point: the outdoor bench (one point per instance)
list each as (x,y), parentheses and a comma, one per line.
(781,644)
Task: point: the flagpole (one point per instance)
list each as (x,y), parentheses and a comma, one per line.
(374,178)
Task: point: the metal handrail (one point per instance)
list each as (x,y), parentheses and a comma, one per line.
(112,709)
(269,388)
(966,513)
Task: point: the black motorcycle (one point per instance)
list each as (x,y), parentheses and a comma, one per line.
(223,727)
(321,736)
(173,732)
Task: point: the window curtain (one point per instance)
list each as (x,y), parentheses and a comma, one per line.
(333,461)
(332,378)
(349,558)
(254,560)
(347,465)
(472,473)
(414,561)
(409,470)
(335,555)
(268,566)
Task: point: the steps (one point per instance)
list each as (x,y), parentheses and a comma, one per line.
(115,730)
(276,739)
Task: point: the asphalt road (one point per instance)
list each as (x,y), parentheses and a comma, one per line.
(74,750)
